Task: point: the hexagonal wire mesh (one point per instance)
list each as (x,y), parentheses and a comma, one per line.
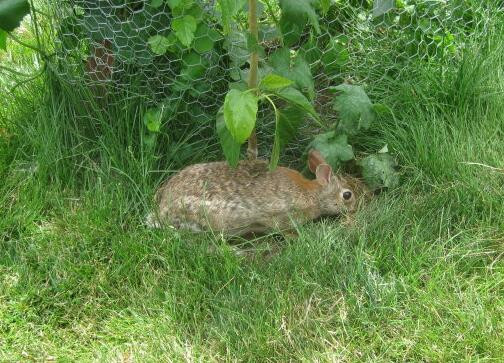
(113,47)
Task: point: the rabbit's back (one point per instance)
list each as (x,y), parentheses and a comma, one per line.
(248,198)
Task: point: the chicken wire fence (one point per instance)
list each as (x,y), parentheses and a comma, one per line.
(146,50)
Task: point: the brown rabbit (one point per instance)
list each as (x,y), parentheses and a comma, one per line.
(250,198)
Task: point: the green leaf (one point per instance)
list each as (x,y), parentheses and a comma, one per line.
(273,82)
(287,124)
(380,109)
(253,44)
(149,141)
(70,31)
(311,50)
(240,86)
(292,29)
(156,3)
(334,148)
(173,4)
(378,171)
(240,113)
(230,147)
(325,5)
(299,72)
(295,15)
(280,61)
(236,46)
(194,65)
(179,4)
(159,44)
(335,55)
(12,12)
(227,15)
(296,98)
(196,11)
(229,8)
(184,29)
(381,7)
(3,39)
(204,38)
(152,119)
(355,108)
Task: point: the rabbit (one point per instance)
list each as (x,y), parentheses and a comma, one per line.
(250,198)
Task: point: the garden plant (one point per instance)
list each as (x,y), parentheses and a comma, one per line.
(103,100)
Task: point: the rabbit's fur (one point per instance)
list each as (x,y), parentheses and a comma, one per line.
(250,198)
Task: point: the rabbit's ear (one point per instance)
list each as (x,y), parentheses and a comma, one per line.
(323,174)
(315,158)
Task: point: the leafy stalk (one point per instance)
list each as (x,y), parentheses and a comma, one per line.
(272,14)
(254,61)
(35,26)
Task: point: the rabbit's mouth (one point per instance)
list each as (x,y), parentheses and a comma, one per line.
(329,218)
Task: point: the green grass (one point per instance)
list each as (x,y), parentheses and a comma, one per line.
(416,276)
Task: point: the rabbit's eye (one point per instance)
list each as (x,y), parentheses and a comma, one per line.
(347,195)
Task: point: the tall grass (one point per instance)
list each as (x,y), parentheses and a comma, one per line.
(416,275)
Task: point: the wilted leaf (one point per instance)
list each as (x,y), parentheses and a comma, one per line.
(12,12)
(334,148)
(296,98)
(295,16)
(240,113)
(159,44)
(230,147)
(287,124)
(273,81)
(184,29)
(152,119)
(378,170)
(354,107)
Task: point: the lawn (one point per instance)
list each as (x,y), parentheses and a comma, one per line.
(417,274)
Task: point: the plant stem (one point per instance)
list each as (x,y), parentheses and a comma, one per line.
(254,62)
(272,13)
(11,70)
(17,40)
(36,75)
(35,25)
